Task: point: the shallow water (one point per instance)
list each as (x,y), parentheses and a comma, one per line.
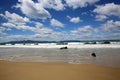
(105,56)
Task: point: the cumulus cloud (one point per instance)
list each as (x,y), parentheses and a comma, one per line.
(19,27)
(43,30)
(111,26)
(75,20)
(40,32)
(44,35)
(85,32)
(2,29)
(15,21)
(111,29)
(100,17)
(38,10)
(38,24)
(18,22)
(115,36)
(32,9)
(109,9)
(15,18)
(16,38)
(52,4)
(9,25)
(38,28)
(80,3)
(56,23)
(84,29)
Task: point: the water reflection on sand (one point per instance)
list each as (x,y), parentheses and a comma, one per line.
(105,56)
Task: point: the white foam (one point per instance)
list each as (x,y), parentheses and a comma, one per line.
(69,46)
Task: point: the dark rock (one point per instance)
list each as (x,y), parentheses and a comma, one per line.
(93,54)
(63,48)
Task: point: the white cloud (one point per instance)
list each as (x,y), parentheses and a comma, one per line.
(101,17)
(2,29)
(44,35)
(68,17)
(19,22)
(40,32)
(38,10)
(82,33)
(52,4)
(111,29)
(75,20)
(84,29)
(43,30)
(80,3)
(14,18)
(111,26)
(19,27)
(9,25)
(38,28)
(85,32)
(16,21)
(32,9)
(84,13)
(24,27)
(38,24)
(108,9)
(16,37)
(56,23)
(115,36)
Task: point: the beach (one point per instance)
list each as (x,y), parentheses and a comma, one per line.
(107,54)
(60,40)
(48,62)
(56,71)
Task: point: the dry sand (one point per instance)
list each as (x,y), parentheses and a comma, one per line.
(56,71)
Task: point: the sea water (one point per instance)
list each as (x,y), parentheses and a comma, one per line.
(104,56)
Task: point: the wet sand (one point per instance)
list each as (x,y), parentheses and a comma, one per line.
(56,71)
(104,56)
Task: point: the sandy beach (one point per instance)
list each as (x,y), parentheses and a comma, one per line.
(56,71)
(51,63)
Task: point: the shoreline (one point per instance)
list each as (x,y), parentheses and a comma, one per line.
(105,56)
(56,71)
(59,46)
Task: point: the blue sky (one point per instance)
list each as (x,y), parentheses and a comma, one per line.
(59,20)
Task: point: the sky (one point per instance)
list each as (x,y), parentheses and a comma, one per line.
(56,20)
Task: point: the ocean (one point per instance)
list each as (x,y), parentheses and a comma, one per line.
(104,56)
